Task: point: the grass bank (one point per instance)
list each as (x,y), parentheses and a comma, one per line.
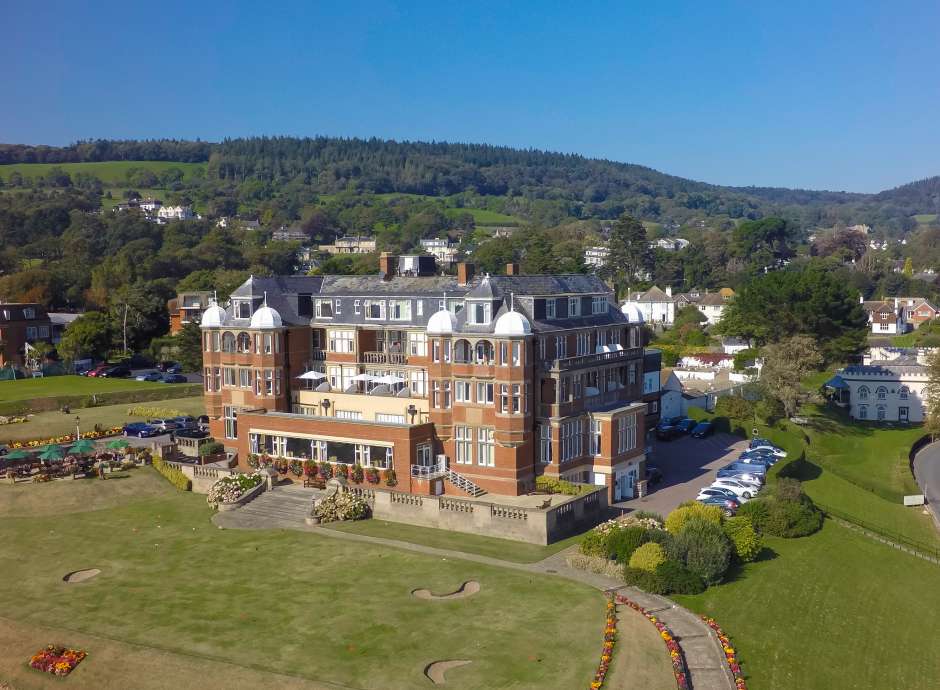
(54,392)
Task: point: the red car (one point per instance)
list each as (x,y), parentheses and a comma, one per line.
(96,371)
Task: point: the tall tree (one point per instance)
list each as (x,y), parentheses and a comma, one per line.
(87,336)
(786,364)
(629,259)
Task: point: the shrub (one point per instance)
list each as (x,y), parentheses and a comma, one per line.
(594,543)
(211,448)
(704,549)
(648,557)
(231,488)
(647,515)
(734,407)
(747,543)
(756,511)
(601,566)
(341,506)
(678,518)
(622,543)
(787,489)
(645,580)
(552,485)
(793,518)
(675,578)
(172,474)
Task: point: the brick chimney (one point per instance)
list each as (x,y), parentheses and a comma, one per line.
(388,265)
(512,269)
(465,273)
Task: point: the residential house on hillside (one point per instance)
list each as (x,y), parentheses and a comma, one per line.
(917,310)
(670,396)
(21,323)
(350,245)
(292,234)
(596,257)
(657,307)
(712,305)
(732,345)
(443,250)
(887,387)
(670,244)
(885,316)
(652,366)
(186,308)
(168,213)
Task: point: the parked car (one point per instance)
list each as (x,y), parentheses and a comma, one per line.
(150,376)
(738,486)
(653,475)
(743,471)
(96,371)
(756,460)
(202,422)
(166,366)
(185,422)
(667,432)
(766,446)
(761,453)
(703,429)
(163,425)
(118,372)
(140,429)
(709,491)
(729,506)
(685,426)
(173,378)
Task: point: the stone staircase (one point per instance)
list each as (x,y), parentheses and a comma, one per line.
(283,506)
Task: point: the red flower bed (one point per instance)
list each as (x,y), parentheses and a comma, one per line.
(675,651)
(59,661)
(607,651)
(730,654)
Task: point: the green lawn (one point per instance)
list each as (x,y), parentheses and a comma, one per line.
(55,423)
(504,549)
(482,216)
(280,601)
(109,172)
(834,610)
(925,218)
(52,386)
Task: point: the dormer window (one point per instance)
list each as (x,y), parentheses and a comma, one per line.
(324,309)
(242,309)
(29,313)
(574,306)
(479,313)
(550,308)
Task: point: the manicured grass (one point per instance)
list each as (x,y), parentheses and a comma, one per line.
(906,340)
(482,216)
(44,424)
(287,602)
(504,549)
(833,610)
(109,172)
(925,218)
(640,656)
(26,389)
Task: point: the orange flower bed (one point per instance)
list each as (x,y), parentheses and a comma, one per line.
(59,661)
(67,438)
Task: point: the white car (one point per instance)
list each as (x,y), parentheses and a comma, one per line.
(767,447)
(741,489)
(720,491)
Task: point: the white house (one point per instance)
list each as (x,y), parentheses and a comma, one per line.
(657,307)
(596,257)
(885,317)
(444,251)
(712,305)
(888,386)
(175,213)
(732,346)
(670,399)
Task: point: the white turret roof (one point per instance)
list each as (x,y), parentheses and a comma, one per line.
(266,317)
(442,322)
(512,323)
(213,317)
(632,311)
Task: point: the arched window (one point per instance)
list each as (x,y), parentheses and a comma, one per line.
(882,393)
(881,412)
(863,393)
(903,392)
(228,342)
(484,352)
(463,353)
(244,342)
(863,411)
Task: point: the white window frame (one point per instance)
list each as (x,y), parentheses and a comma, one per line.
(550,308)
(486,447)
(574,306)
(463,441)
(323,306)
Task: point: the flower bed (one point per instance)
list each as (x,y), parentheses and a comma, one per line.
(230,489)
(341,506)
(67,438)
(730,655)
(607,651)
(59,661)
(675,651)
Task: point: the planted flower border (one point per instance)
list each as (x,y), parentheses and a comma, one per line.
(676,656)
(58,661)
(66,438)
(730,655)
(607,651)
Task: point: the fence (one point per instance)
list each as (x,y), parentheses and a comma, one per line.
(898,540)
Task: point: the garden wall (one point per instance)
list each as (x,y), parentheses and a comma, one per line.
(505,521)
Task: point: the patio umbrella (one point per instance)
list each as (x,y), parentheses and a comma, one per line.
(82,446)
(390,379)
(118,444)
(312,376)
(51,452)
(15,455)
(363,377)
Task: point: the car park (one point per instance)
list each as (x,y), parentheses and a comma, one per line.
(185,422)
(703,429)
(95,372)
(667,432)
(140,429)
(765,445)
(686,425)
(150,376)
(173,378)
(163,425)
(729,506)
(742,474)
(756,460)
(118,372)
(709,491)
(744,490)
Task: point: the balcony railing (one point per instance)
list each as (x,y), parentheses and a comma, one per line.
(318,355)
(384,357)
(427,471)
(591,360)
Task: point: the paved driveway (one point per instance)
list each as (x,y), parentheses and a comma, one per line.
(687,465)
(927,471)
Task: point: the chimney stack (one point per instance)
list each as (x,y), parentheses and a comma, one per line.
(669,291)
(388,265)
(512,269)
(465,273)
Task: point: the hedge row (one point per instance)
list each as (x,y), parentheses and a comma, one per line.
(56,402)
(173,474)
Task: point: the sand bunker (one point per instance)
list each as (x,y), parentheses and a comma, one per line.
(436,670)
(81,575)
(467,589)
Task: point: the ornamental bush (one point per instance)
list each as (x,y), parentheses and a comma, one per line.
(231,488)
(675,578)
(645,580)
(747,543)
(594,543)
(677,519)
(623,542)
(787,489)
(211,448)
(341,506)
(552,485)
(793,518)
(704,548)
(648,557)
(757,511)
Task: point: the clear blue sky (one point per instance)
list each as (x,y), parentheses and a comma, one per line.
(842,95)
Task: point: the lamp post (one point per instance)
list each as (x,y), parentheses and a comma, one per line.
(326,407)
(78,431)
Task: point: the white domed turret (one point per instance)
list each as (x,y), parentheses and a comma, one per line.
(213,316)
(442,322)
(266,317)
(632,311)
(512,323)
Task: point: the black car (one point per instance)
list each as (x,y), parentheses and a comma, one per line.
(667,432)
(173,378)
(703,429)
(685,426)
(118,372)
(167,366)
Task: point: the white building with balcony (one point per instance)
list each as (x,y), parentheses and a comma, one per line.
(888,387)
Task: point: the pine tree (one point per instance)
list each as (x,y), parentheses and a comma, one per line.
(908,267)
(629,258)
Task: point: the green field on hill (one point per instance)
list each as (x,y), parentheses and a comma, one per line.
(109,172)
(481,216)
(925,218)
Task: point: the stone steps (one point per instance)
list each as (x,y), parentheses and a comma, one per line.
(282,506)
